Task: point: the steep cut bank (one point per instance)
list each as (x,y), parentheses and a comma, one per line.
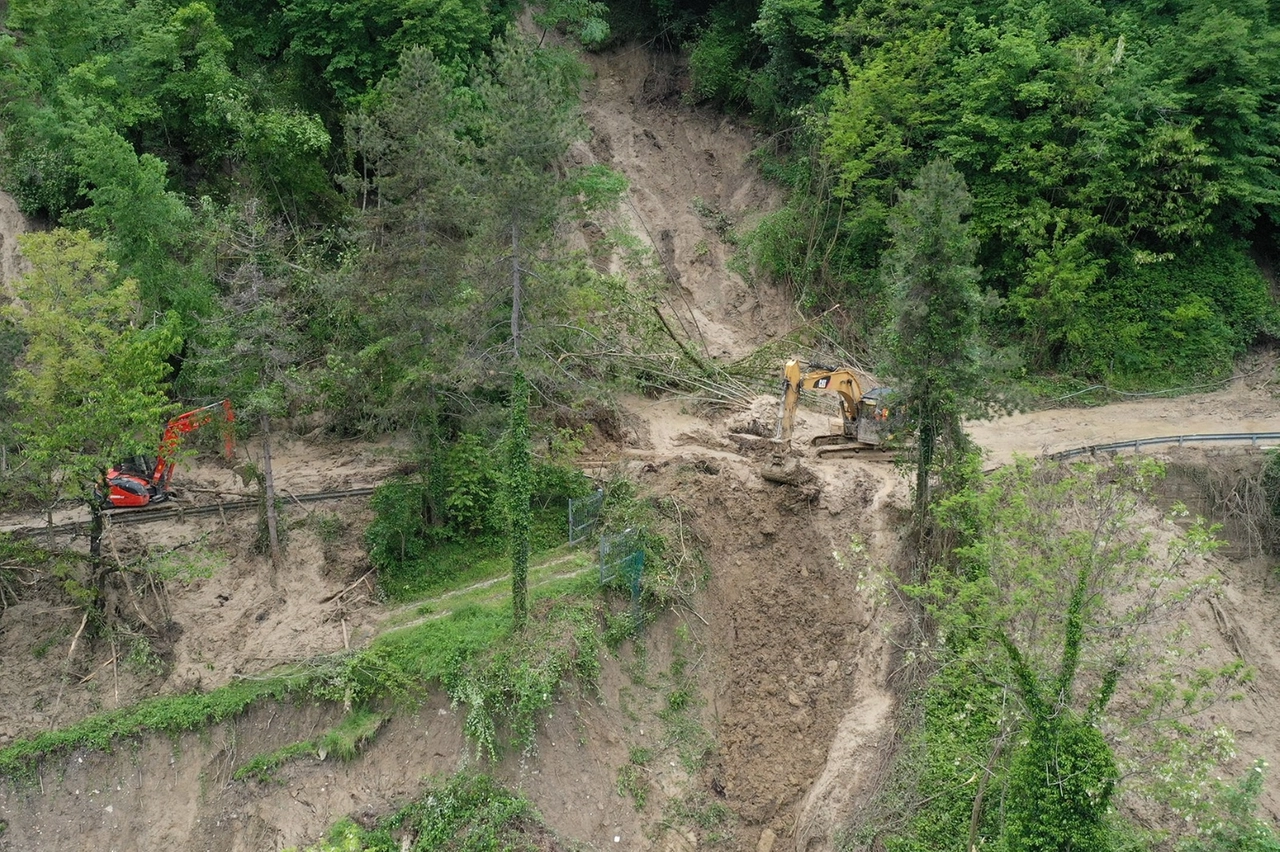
(692,187)
(791,631)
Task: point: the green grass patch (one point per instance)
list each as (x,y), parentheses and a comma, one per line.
(344,742)
(632,777)
(633,784)
(712,818)
(508,686)
(451,564)
(504,680)
(464,813)
(170,714)
(263,767)
(560,571)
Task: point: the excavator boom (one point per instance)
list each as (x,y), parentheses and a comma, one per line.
(143,481)
(181,426)
(839,381)
(865,423)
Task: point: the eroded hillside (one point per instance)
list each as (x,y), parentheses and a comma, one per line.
(790,639)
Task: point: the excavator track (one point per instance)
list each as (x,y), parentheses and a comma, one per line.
(866,454)
(841,447)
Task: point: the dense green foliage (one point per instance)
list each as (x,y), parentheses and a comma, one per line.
(418,543)
(1123,184)
(209,146)
(1121,157)
(1052,595)
(166,714)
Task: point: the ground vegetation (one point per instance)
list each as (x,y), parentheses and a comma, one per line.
(1113,186)
(384,218)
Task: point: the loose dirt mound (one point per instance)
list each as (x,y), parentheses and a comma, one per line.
(692,186)
(793,625)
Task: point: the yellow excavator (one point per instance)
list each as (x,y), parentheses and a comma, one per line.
(867,424)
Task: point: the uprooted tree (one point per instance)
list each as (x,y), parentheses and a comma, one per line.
(89,384)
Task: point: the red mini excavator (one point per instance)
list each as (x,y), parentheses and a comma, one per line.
(143,480)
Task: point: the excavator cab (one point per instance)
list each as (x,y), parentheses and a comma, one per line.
(143,466)
(142,480)
(866,422)
(878,421)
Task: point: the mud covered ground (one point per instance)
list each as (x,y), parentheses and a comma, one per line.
(791,638)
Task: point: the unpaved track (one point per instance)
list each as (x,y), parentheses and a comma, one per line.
(1245,404)
(794,645)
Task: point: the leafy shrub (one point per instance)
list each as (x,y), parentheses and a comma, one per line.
(1271,482)
(401,531)
(717,62)
(511,682)
(41,175)
(1067,809)
(1236,827)
(424,533)
(464,813)
(1181,318)
(472,488)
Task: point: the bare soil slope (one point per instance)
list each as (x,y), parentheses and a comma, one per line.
(790,637)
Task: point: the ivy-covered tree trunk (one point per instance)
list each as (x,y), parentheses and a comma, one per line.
(519,494)
(1063,775)
(269,497)
(97,525)
(926,443)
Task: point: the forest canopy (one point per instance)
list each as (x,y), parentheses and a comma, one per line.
(1121,160)
(1121,156)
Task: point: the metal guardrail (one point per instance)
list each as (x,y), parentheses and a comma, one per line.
(1254,439)
(170,511)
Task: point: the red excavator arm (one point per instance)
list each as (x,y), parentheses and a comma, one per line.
(142,481)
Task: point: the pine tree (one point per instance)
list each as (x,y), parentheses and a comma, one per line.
(933,353)
(469,189)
